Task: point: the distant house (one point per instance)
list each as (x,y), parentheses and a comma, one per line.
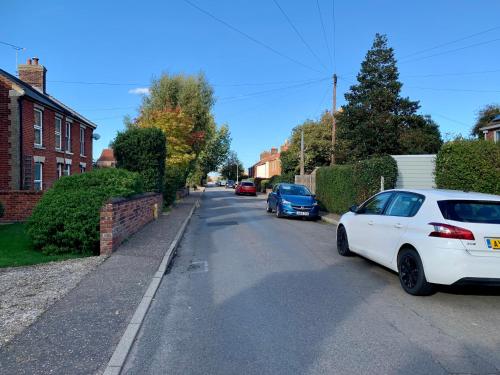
(492,130)
(41,139)
(269,164)
(107,159)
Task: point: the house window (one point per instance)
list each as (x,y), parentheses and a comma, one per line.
(38,127)
(82,141)
(68,136)
(58,133)
(497,136)
(60,167)
(82,169)
(67,169)
(38,182)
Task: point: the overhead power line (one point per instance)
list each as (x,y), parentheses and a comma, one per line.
(258,93)
(451,51)
(299,34)
(430,75)
(451,42)
(249,37)
(324,32)
(452,89)
(101,83)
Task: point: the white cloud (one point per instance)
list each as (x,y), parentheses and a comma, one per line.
(139,91)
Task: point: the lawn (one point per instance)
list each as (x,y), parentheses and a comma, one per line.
(16,248)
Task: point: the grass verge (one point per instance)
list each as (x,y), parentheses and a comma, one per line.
(16,248)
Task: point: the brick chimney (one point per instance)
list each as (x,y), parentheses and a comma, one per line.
(33,74)
(274,151)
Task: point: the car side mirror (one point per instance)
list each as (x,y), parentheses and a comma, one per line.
(313,195)
(353,208)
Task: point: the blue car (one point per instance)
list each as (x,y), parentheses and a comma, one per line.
(292,200)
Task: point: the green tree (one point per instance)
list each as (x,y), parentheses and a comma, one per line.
(317,146)
(216,151)
(231,166)
(484,117)
(143,151)
(376,119)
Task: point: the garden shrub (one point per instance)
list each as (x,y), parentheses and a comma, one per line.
(469,165)
(66,220)
(143,150)
(340,186)
(175,179)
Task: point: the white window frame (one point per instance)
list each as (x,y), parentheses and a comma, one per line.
(38,127)
(82,141)
(67,139)
(40,181)
(58,134)
(67,170)
(496,136)
(59,169)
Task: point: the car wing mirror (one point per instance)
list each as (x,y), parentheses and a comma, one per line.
(353,208)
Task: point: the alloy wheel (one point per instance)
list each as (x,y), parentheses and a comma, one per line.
(409,271)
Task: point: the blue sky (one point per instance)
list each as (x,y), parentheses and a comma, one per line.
(261,94)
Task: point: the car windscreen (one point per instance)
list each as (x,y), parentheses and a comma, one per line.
(246,184)
(471,211)
(294,190)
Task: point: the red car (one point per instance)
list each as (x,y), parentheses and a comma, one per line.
(247,188)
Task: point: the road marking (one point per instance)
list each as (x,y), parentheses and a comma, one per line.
(198,267)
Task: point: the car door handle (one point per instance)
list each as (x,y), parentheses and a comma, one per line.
(398,225)
(370,222)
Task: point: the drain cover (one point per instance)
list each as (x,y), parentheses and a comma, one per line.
(222,223)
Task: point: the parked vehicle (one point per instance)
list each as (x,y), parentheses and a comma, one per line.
(230,184)
(292,200)
(427,236)
(222,183)
(246,188)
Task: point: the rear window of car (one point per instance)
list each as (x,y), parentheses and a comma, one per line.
(487,212)
(247,184)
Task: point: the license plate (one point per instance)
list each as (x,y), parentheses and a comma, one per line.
(302,213)
(493,243)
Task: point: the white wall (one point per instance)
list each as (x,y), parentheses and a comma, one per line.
(262,171)
(415,171)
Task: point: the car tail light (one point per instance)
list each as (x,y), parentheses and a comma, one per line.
(451,231)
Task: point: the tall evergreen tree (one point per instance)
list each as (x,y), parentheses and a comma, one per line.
(376,120)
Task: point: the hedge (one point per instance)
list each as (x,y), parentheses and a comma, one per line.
(143,150)
(469,165)
(66,220)
(339,187)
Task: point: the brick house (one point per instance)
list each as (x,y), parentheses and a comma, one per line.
(269,164)
(492,130)
(107,159)
(41,139)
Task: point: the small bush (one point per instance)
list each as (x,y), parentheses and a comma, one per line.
(2,210)
(341,186)
(143,150)
(66,220)
(469,165)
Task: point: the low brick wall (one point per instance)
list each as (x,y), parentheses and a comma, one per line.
(120,218)
(18,204)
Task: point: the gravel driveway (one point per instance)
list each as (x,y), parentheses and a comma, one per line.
(26,292)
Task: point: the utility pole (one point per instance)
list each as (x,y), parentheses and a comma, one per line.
(334,122)
(302,153)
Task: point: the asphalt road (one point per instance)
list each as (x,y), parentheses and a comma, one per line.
(253,294)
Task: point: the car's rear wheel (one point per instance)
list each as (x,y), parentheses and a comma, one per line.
(412,275)
(343,242)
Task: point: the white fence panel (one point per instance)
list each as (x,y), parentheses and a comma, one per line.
(415,171)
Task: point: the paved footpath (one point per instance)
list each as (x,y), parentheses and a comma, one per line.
(78,334)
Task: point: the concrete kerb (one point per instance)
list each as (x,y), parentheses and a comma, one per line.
(120,354)
(329,220)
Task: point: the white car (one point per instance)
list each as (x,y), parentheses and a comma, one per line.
(427,236)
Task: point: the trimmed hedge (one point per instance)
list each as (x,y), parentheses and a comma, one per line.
(339,187)
(143,150)
(66,220)
(469,165)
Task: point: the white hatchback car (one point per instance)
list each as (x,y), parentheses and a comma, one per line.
(427,236)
